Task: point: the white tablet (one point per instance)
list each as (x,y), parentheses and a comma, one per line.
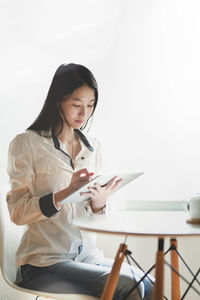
(101,180)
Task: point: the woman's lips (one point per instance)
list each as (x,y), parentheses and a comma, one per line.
(79,121)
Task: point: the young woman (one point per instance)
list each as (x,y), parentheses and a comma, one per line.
(46,164)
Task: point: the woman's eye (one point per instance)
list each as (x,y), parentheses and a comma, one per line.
(76,105)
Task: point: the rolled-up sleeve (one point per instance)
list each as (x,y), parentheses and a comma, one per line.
(25,207)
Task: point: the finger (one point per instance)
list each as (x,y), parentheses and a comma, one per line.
(87,194)
(117,184)
(82,173)
(84,179)
(92,190)
(85,175)
(111,182)
(97,187)
(114,184)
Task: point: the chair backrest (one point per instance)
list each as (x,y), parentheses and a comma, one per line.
(10,236)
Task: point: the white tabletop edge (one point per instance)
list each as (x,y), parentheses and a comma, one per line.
(155,224)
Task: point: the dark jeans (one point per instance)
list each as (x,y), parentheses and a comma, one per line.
(82,278)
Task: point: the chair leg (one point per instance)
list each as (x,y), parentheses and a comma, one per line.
(112,280)
(175,279)
(159,284)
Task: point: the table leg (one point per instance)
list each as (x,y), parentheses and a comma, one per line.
(159,275)
(175,279)
(112,280)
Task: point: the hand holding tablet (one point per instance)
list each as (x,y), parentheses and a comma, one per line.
(102,180)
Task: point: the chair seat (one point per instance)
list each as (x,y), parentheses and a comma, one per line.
(55,295)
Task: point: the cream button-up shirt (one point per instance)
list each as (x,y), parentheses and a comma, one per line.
(36,168)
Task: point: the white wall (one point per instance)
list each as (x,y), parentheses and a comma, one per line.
(145,55)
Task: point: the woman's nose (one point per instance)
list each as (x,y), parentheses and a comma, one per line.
(83,111)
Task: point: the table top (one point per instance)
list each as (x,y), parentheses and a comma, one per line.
(140,223)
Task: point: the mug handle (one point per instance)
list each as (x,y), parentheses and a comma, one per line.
(186,205)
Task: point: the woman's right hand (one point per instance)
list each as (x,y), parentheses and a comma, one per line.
(79,179)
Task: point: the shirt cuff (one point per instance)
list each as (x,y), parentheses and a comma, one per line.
(47,205)
(54,203)
(89,209)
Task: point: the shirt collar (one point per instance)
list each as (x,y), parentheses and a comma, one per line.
(81,136)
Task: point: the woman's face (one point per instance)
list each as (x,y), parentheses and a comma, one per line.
(78,107)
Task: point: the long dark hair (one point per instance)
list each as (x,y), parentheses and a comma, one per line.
(65,81)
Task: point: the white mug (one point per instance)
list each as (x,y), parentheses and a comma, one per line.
(194,207)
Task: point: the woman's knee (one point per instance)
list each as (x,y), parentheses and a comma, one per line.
(132,288)
(129,288)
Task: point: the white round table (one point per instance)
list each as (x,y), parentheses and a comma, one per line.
(159,224)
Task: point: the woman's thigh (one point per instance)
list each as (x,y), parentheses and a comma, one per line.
(80,278)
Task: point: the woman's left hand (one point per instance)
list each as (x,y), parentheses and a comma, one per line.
(98,195)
